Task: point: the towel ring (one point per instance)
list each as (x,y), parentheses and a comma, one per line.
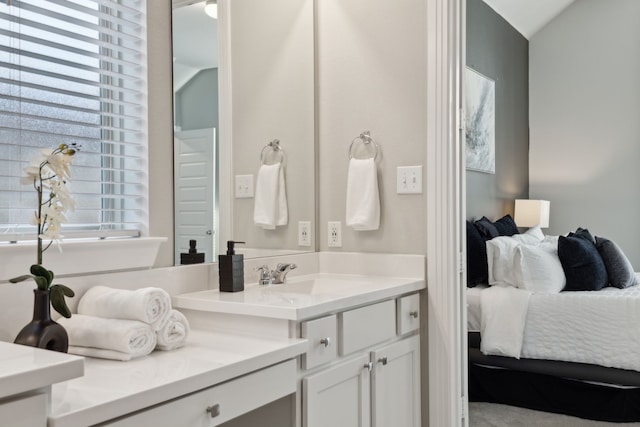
(365,138)
(275,147)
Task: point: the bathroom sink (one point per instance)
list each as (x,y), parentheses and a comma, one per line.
(319,286)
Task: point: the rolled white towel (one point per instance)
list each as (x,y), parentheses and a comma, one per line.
(150,305)
(173,332)
(108,338)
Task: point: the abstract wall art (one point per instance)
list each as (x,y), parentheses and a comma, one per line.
(480,129)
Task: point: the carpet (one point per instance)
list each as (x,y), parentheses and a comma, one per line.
(494,415)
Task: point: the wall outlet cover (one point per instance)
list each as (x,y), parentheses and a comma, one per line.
(334,234)
(304,233)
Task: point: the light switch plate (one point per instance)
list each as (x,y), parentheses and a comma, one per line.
(244,186)
(409,180)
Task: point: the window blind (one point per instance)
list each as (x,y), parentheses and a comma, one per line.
(73,71)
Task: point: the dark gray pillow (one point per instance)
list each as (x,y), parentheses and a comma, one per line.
(486,228)
(583,233)
(582,264)
(619,268)
(506,226)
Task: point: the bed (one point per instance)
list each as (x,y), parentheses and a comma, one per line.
(535,344)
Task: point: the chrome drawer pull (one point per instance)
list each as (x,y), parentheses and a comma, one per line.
(369,366)
(326,341)
(382,360)
(413,314)
(214,410)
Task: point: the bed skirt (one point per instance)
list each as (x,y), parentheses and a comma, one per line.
(581,390)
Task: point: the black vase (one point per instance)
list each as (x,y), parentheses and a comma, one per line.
(42,332)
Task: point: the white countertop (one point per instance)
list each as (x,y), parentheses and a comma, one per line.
(302,297)
(24,368)
(111,389)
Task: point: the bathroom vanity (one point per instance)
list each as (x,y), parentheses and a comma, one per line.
(338,344)
(362,364)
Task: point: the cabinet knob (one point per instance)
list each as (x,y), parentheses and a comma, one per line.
(382,360)
(214,410)
(413,314)
(368,366)
(326,341)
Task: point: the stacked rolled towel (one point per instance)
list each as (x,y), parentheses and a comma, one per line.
(173,332)
(123,324)
(149,305)
(117,339)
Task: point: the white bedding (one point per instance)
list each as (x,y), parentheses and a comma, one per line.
(597,327)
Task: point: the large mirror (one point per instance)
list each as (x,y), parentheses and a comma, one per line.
(243,81)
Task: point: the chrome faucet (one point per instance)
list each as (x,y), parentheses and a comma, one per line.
(279,275)
(265,275)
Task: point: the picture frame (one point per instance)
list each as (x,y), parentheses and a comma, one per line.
(480,108)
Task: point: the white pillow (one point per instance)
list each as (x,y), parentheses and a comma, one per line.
(531,236)
(537,268)
(500,257)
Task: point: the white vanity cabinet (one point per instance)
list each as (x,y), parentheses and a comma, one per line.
(370,384)
(216,405)
(30,411)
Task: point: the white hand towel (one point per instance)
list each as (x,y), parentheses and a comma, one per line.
(173,332)
(363,200)
(270,208)
(108,338)
(150,305)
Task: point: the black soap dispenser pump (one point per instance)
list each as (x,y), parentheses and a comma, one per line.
(193,257)
(231,269)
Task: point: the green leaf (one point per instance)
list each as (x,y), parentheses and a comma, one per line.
(67,291)
(58,302)
(38,270)
(21,278)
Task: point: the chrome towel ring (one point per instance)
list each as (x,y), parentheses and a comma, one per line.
(365,138)
(273,146)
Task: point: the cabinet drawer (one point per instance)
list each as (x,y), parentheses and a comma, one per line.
(323,342)
(218,404)
(25,411)
(366,326)
(408,314)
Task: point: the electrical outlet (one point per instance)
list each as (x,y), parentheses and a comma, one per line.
(244,186)
(334,234)
(409,180)
(304,233)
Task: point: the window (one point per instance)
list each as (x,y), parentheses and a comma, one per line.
(74,71)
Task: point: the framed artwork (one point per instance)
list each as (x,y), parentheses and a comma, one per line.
(480,121)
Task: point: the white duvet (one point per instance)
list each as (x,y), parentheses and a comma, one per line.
(598,327)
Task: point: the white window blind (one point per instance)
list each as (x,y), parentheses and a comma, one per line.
(73,71)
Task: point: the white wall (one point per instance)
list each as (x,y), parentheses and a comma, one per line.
(372,67)
(584,118)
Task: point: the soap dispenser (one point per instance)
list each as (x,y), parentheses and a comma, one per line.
(193,257)
(231,269)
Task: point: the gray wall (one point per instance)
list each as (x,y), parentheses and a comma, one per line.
(585,131)
(197,101)
(498,51)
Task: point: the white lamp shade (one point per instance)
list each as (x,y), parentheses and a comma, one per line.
(531,213)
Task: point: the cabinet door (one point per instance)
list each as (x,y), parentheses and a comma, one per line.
(24,411)
(396,384)
(338,396)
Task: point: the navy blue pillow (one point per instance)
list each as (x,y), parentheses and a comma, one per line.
(477,270)
(506,226)
(583,233)
(582,264)
(486,228)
